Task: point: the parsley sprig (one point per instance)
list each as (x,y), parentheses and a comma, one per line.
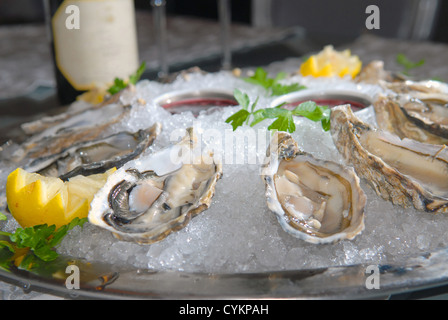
(272,85)
(284,118)
(407,64)
(120,84)
(34,244)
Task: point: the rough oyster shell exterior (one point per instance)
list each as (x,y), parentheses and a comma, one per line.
(389,182)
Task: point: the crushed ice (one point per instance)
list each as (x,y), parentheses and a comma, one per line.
(238,233)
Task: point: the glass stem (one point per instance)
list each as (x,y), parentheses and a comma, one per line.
(225,20)
(159,11)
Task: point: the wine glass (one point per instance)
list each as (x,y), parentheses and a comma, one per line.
(159,11)
(225,18)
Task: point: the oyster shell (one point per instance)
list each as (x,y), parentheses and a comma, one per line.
(425,104)
(393,114)
(150,198)
(428,111)
(85,126)
(415,87)
(35,127)
(315,200)
(96,156)
(404,171)
(373,73)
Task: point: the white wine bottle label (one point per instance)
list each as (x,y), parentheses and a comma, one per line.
(95,41)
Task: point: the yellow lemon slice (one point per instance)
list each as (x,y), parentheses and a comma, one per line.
(94,96)
(34,199)
(329,63)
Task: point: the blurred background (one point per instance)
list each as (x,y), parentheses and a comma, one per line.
(270,29)
(322,19)
(262,32)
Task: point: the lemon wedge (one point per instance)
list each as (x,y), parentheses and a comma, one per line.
(94,96)
(329,63)
(34,199)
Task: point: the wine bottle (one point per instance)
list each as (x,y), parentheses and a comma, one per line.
(93,42)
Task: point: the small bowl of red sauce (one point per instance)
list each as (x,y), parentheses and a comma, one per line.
(196,101)
(330,98)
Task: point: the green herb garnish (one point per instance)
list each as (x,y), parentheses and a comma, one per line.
(242,116)
(33,245)
(120,84)
(3,217)
(408,64)
(272,85)
(284,118)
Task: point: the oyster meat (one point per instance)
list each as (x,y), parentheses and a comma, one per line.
(147,199)
(315,200)
(398,115)
(96,156)
(423,103)
(404,171)
(430,112)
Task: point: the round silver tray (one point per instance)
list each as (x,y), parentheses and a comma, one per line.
(103,281)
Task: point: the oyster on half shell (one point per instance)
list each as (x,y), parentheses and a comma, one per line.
(147,199)
(417,87)
(85,126)
(393,114)
(404,171)
(37,126)
(96,156)
(428,111)
(315,200)
(419,110)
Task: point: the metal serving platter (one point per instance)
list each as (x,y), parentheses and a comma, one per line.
(103,281)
